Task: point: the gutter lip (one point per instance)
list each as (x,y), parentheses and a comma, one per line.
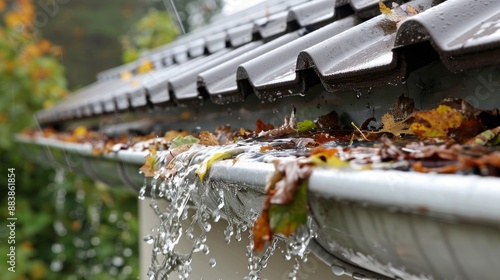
(454,197)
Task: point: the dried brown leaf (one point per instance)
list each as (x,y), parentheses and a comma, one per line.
(396,128)
(208,139)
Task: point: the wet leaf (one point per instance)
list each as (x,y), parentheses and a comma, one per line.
(387,12)
(261,231)
(181,141)
(436,122)
(489,136)
(286,218)
(171,134)
(149,167)
(287,129)
(266,148)
(306,126)
(328,121)
(467,130)
(208,139)
(326,157)
(322,138)
(285,208)
(396,128)
(403,108)
(396,14)
(261,126)
(205,165)
(291,173)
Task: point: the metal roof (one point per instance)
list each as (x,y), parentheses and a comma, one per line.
(280,48)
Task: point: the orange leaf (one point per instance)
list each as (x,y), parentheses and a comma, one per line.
(208,139)
(261,126)
(261,231)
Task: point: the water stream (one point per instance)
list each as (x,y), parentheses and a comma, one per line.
(176,180)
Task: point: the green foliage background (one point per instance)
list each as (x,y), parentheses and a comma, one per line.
(69,227)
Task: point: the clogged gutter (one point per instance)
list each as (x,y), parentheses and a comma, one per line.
(455,137)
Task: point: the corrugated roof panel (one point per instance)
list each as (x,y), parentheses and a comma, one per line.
(268,20)
(216,77)
(156,83)
(374,52)
(359,57)
(216,42)
(465,33)
(196,47)
(312,12)
(274,72)
(74,101)
(360,5)
(241,35)
(220,82)
(261,10)
(138,97)
(272,25)
(184,86)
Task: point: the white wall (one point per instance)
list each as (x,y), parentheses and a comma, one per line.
(231,259)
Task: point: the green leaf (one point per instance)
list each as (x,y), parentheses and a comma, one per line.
(306,126)
(205,165)
(286,218)
(181,141)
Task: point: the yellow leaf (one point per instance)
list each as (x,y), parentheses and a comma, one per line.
(80,131)
(437,122)
(149,167)
(396,14)
(145,67)
(126,75)
(205,165)
(386,11)
(327,158)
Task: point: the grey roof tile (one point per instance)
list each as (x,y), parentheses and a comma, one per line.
(278,48)
(221,81)
(464,33)
(274,72)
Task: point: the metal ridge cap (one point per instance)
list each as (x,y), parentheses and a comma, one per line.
(462,196)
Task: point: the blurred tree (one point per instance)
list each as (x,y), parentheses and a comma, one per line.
(194,13)
(89,33)
(68,228)
(153,30)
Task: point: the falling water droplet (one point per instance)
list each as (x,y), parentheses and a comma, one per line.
(358,94)
(212,262)
(207,227)
(149,239)
(337,270)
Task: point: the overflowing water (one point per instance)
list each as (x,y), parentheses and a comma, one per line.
(203,200)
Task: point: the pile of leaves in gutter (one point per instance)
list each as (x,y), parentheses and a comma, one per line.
(454,137)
